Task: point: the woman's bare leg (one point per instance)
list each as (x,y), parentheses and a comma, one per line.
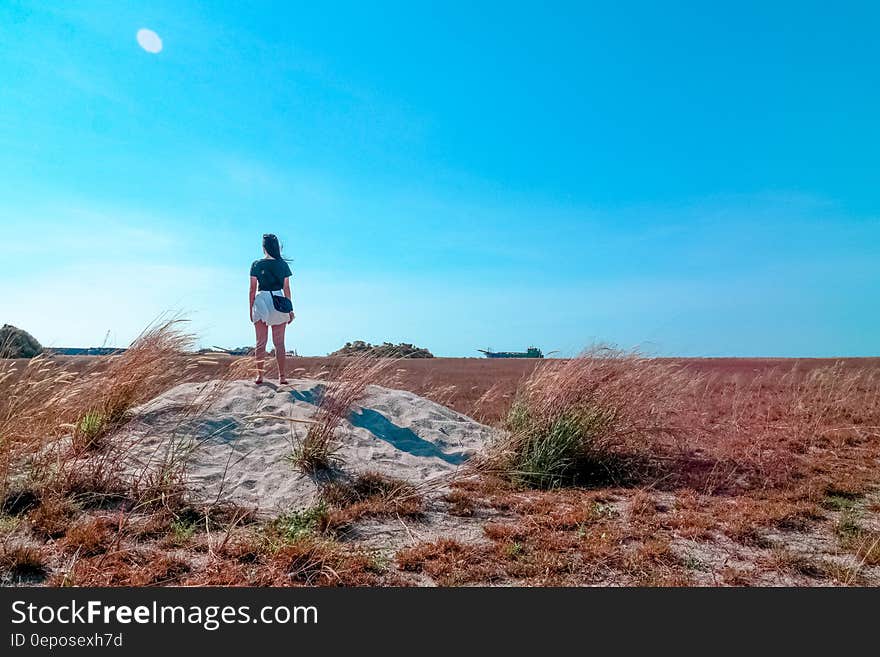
(280,352)
(262,331)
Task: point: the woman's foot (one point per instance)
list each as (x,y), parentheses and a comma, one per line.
(259,381)
(282,382)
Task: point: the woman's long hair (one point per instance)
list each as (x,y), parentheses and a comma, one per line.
(272,246)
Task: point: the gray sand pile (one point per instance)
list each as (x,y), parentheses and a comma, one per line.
(237,448)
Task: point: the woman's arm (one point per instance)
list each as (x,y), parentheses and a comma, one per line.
(251,296)
(287,294)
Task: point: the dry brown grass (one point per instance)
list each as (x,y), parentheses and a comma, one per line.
(41,402)
(596,418)
(63,476)
(371,495)
(314,561)
(316,451)
(868,549)
(22,561)
(788,427)
(761,448)
(52,518)
(89,536)
(60,437)
(461,503)
(42,398)
(576,547)
(308,559)
(802,430)
(124,567)
(56,469)
(450,562)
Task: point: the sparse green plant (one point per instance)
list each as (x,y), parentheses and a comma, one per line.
(514,550)
(89,430)
(839,502)
(316,451)
(692,562)
(848,527)
(855,538)
(182,531)
(8,524)
(379,562)
(300,524)
(590,418)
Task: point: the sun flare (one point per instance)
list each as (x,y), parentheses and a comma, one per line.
(149,41)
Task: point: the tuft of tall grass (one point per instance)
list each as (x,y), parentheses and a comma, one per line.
(154,362)
(57,428)
(22,561)
(316,451)
(371,494)
(314,561)
(590,418)
(44,398)
(89,536)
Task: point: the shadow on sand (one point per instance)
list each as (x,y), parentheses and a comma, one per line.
(402,438)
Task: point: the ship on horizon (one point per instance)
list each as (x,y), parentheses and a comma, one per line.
(531,352)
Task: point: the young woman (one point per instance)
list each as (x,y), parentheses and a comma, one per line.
(270,277)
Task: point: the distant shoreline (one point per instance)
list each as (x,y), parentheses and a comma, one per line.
(109,351)
(82,351)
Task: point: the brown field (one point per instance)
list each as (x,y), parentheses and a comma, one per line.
(773,481)
(461,382)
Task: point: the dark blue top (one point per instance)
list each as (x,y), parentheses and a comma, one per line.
(270,273)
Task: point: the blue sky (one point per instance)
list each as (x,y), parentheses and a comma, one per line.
(691,178)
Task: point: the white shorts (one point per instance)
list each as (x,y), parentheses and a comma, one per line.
(264,309)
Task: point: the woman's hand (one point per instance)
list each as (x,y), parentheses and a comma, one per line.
(291,317)
(252,295)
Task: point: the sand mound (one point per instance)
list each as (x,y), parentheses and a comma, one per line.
(237,447)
